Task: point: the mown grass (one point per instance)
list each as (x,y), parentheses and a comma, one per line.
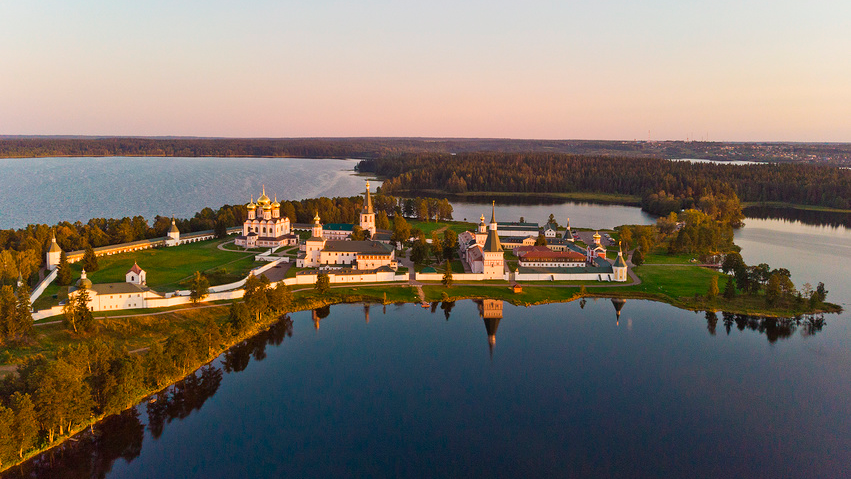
(167,267)
(658,257)
(427,227)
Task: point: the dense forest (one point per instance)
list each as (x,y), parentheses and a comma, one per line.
(663,185)
(30,147)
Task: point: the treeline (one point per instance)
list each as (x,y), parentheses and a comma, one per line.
(49,398)
(775,285)
(681,181)
(22,251)
(12,147)
(692,231)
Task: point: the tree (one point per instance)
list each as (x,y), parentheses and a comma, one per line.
(221,228)
(238,317)
(7,434)
(729,289)
(541,240)
(447,275)
(76,312)
(382,222)
(450,243)
(732,262)
(821,292)
(63,276)
(552,220)
(419,252)
(357,233)
(422,210)
(323,283)
(23,313)
(255,295)
(8,312)
(637,257)
(436,245)
(200,288)
(401,230)
(280,297)
(90,259)
(712,293)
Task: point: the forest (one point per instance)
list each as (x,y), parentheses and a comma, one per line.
(34,147)
(663,185)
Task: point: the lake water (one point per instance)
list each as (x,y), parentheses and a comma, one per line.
(566,391)
(49,190)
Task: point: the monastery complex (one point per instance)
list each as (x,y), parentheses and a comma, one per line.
(330,249)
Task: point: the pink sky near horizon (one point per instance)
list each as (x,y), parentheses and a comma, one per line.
(752,71)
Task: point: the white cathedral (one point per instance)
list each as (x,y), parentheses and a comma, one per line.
(265,228)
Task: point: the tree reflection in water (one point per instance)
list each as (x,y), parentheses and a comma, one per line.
(236,358)
(772,328)
(807,217)
(92,453)
(178,401)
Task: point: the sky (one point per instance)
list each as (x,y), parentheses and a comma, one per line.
(629,70)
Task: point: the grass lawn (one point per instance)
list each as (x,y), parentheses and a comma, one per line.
(676,281)
(428,226)
(659,257)
(166,267)
(530,294)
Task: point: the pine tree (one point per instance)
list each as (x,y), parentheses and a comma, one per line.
(90,259)
(63,276)
(729,289)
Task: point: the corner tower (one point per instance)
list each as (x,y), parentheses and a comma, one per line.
(53,254)
(494,260)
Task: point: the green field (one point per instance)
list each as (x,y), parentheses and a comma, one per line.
(428,226)
(167,267)
(662,258)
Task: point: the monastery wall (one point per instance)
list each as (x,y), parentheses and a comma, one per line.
(460,277)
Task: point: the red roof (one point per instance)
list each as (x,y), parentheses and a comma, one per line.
(135,269)
(522,250)
(553,256)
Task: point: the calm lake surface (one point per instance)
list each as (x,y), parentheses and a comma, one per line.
(566,391)
(50,190)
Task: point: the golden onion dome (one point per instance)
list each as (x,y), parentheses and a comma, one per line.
(275,204)
(263,200)
(267,207)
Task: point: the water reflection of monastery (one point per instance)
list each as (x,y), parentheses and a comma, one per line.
(490,310)
(618,303)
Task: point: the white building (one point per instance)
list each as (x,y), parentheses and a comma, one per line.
(114,296)
(317,251)
(265,228)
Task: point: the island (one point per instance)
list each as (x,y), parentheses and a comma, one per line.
(106,326)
